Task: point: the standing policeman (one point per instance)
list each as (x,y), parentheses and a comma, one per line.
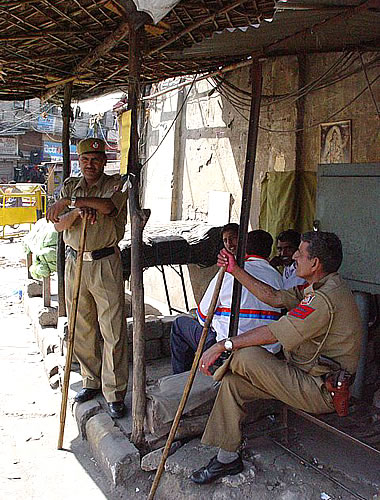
(99,198)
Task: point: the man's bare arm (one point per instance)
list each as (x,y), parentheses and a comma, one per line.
(259,289)
(67,220)
(103,205)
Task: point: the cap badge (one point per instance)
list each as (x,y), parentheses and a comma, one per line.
(95,145)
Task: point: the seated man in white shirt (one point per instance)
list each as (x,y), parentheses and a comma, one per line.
(186,331)
(287,243)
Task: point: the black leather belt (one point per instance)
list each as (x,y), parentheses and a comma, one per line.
(90,256)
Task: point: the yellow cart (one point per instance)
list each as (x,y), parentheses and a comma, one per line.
(20,204)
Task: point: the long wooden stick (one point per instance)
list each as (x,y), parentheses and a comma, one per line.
(189,384)
(70,339)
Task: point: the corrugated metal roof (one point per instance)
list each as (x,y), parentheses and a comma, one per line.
(291,32)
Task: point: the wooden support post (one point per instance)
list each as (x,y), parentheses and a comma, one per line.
(138,220)
(253,129)
(46,293)
(66,114)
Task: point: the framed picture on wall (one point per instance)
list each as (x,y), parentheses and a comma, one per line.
(335,142)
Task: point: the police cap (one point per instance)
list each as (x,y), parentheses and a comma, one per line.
(91,145)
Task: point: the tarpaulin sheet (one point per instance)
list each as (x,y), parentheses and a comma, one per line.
(174,243)
(279,209)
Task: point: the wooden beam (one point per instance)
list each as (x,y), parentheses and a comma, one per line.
(106,46)
(67,80)
(36,35)
(300,106)
(246,198)
(138,221)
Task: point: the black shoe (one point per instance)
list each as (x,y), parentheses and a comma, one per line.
(116,409)
(214,470)
(86,394)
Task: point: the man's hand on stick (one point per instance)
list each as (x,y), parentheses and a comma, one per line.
(210,356)
(88,213)
(227,260)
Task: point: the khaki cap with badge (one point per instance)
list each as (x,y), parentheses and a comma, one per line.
(91,145)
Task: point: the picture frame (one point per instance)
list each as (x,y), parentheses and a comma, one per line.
(335,142)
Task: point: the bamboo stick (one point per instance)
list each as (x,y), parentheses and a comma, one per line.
(70,340)
(189,383)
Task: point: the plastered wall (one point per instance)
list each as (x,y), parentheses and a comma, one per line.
(205,149)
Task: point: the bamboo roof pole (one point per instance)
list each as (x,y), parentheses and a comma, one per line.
(246,199)
(66,114)
(138,219)
(111,41)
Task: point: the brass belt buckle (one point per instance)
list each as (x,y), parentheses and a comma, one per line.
(87,257)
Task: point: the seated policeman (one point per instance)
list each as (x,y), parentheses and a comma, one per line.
(322,319)
(186,331)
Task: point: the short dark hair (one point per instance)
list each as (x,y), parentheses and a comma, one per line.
(231,226)
(260,243)
(291,236)
(327,247)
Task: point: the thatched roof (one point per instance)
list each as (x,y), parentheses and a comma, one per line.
(48,41)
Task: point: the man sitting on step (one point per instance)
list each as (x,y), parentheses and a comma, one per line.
(186,331)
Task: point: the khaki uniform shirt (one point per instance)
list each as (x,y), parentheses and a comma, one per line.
(108,230)
(306,323)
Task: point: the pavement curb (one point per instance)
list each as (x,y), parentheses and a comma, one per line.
(116,455)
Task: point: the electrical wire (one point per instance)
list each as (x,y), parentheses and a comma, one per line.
(235,105)
(173,122)
(14,127)
(369,84)
(105,140)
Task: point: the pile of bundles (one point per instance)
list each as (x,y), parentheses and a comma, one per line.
(42,242)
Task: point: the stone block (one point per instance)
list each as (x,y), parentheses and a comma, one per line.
(50,342)
(83,412)
(128,305)
(166,322)
(153,349)
(34,288)
(51,364)
(165,347)
(152,460)
(116,455)
(129,326)
(153,328)
(54,381)
(48,316)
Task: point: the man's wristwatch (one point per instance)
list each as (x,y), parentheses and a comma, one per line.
(73,200)
(228,345)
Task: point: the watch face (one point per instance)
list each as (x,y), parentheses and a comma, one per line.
(228,345)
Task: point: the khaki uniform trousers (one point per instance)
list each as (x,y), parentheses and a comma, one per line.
(101,301)
(253,373)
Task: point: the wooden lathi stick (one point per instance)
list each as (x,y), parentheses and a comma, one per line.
(189,383)
(70,339)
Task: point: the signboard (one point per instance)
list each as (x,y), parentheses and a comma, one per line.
(46,124)
(52,151)
(8,146)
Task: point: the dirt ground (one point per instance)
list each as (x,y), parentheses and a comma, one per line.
(31,467)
